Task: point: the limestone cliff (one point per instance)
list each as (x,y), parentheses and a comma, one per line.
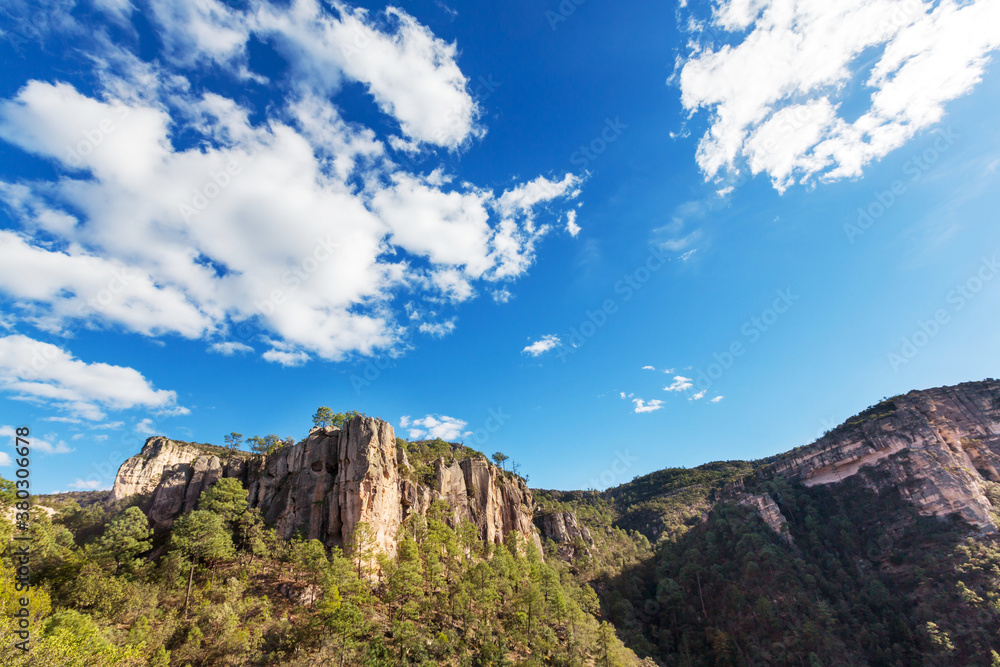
(325,485)
(939,447)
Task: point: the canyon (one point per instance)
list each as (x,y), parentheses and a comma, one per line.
(938,448)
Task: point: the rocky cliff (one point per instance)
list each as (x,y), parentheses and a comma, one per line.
(939,447)
(325,485)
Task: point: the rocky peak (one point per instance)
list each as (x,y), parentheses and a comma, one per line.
(325,485)
(939,447)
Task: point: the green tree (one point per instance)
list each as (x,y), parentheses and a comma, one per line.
(324,417)
(500,458)
(125,538)
(227,498)
(267,445)
(251,533)
(202,537)
(233,442)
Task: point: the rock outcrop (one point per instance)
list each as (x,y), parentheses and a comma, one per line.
(325,485)
(173,474)
(479,492)
(768,510)
(566,531)
(939,447)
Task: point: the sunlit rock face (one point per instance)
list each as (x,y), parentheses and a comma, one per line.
(325,485)
(939,447)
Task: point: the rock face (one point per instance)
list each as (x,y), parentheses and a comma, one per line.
(330,482)
(768,510)
(173,474)
(477,491)
(564,529)
(939,447)
(327,484)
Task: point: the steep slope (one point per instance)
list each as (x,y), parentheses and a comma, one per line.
(939,448)
(325,485)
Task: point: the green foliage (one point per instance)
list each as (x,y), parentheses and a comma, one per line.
(233,442)
(127,536)
(326,417)
(227,498)
(266,445)
(202,536)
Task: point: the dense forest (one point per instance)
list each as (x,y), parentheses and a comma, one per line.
(218,588)
(669,569)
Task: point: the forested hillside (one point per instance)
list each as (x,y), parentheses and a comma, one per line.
(875,545)
(219,588)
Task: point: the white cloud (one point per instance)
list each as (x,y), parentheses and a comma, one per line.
(437,426)
(716,399)
(404,421)
(43,444)
(697,397)
(777,96)
(5,459)
(523,198)
(42,372)
(642,406)
(438,329)
(298,225)
(229,348)
(680,383)
(571,225)
(648,368)
(145,427)
(541,346)
(502,295)
(411,74)
(88,485)
(286,358)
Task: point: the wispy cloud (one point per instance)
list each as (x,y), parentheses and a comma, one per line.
(642,406)
(541,346)
(680,383)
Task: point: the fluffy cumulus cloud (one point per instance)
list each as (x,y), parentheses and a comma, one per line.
(178,208)
(42,372)
(680,383)
(716,399)
(542,345)
(807,89)
(435,426)
(642,406)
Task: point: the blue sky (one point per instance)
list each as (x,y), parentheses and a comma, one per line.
(602,241)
